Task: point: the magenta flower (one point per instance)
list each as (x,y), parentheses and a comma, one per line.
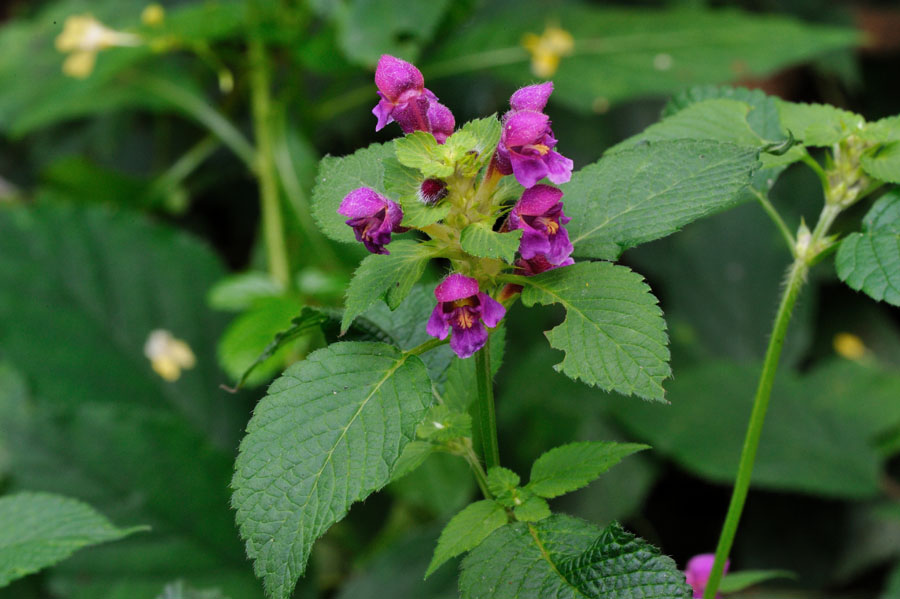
(539,213)
(463,308)
(406,101)
(697,572)
(527,142)
(539,264)
(432,191)
(373,218)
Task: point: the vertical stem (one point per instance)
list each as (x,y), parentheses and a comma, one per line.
(485,425)
(261,100)
(796,277)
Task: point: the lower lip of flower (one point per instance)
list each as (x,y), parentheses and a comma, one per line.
(465,319)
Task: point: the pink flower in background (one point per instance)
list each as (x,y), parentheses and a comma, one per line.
(697,572)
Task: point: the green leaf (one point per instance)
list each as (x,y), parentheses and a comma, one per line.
(502,482)
(339,176)
(370,28)
(443,424)
(738,581)
(614,335)
(650,191)
(532,509)
(622,53)
(563,556)
(389,276)
(569,467)
(472,146)
(283,341)
(413,456)
(817,434)
(246,352)
(870,261)
(419,150)
(884,162)
(405,328)
(479,239)
(466,530)
(883,131)
(38,530)
(818,124)
(738,116)
(403,183)
(236,293)
(350,407)
(441,486)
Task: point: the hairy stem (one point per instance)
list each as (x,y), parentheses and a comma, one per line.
(796,277)
(776,218)
(478,471)
(485,424)
(273,225)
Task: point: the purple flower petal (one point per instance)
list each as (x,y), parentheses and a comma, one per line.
(528,170)
(524,127)
(560,247)
(383,112)
(532,97)
(533,243)
(559,167)
(394,77)
(492,311)
(455,287)
(412,115)
(465,342)
(362,202)
(437,325)
(538,200)
(441,121)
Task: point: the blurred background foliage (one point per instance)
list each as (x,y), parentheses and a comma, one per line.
(129,202)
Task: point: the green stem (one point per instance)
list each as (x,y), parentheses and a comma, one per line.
(485,425)
(478,471)
(273,226)
(203,113)
(795,279)
(796,276)
(427,346)
(185,165)
(776,218)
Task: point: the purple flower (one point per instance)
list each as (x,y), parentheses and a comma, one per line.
(539,264)
(373,218)
(527,142)
(697,572)
(539,214)
(406,101)
(432,191)
(466,310)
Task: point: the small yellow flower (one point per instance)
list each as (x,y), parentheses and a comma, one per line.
(153,15)
(849,346)
(547,49)
(168,356)
(83,37)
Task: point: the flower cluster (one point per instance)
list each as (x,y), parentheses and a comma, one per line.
(465,307)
